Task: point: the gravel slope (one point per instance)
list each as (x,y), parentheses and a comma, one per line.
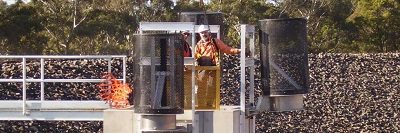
(348,93)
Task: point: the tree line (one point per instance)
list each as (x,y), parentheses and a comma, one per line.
(107,26)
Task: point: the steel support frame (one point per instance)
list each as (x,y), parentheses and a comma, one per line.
(247,32)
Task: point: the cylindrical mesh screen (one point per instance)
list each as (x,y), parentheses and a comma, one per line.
(158,76)
(284,58)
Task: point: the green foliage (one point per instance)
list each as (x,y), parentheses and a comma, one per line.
(242,12)
(331,32)
(107,27)
(156,11)
(3,6)
(20,30)
(109,22)
(85,27)
(378,23)
(188,6)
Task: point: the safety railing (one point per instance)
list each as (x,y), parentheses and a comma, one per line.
(43,103)
(208,84)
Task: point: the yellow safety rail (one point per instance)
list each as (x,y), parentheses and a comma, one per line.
(208,92)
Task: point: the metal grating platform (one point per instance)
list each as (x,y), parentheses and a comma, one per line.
(53,110)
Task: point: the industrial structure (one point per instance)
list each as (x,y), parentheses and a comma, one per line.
(162,102)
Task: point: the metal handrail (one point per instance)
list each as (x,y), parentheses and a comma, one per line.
(247,32)
(42,80)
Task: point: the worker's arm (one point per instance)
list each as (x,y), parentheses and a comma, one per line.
(225,48)
(197,52)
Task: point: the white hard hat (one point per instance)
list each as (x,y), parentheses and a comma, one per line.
(203,28)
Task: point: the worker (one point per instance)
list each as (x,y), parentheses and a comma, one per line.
(207,54)
(208,48)
(187,50)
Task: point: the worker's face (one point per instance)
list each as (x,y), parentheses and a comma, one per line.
(185,35)
(204,35)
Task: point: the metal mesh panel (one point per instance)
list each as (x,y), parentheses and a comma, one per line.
(284,56)
(158,74)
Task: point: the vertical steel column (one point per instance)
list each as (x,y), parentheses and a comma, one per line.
(109,70)
(242,77)
(24,85)
(109,65)
(194,126)
(124,69)
(252,70)
(42,79)
(247,32)
(218,34)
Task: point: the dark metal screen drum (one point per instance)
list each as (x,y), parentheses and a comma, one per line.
(284,59)
(158,76)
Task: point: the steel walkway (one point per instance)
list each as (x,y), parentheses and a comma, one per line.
(89,110)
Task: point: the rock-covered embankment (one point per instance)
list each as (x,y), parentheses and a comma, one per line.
(348,93)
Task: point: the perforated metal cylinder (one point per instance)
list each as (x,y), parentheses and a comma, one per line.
(158,74)
(284,59)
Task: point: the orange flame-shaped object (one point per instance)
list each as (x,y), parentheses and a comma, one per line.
(114,92)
